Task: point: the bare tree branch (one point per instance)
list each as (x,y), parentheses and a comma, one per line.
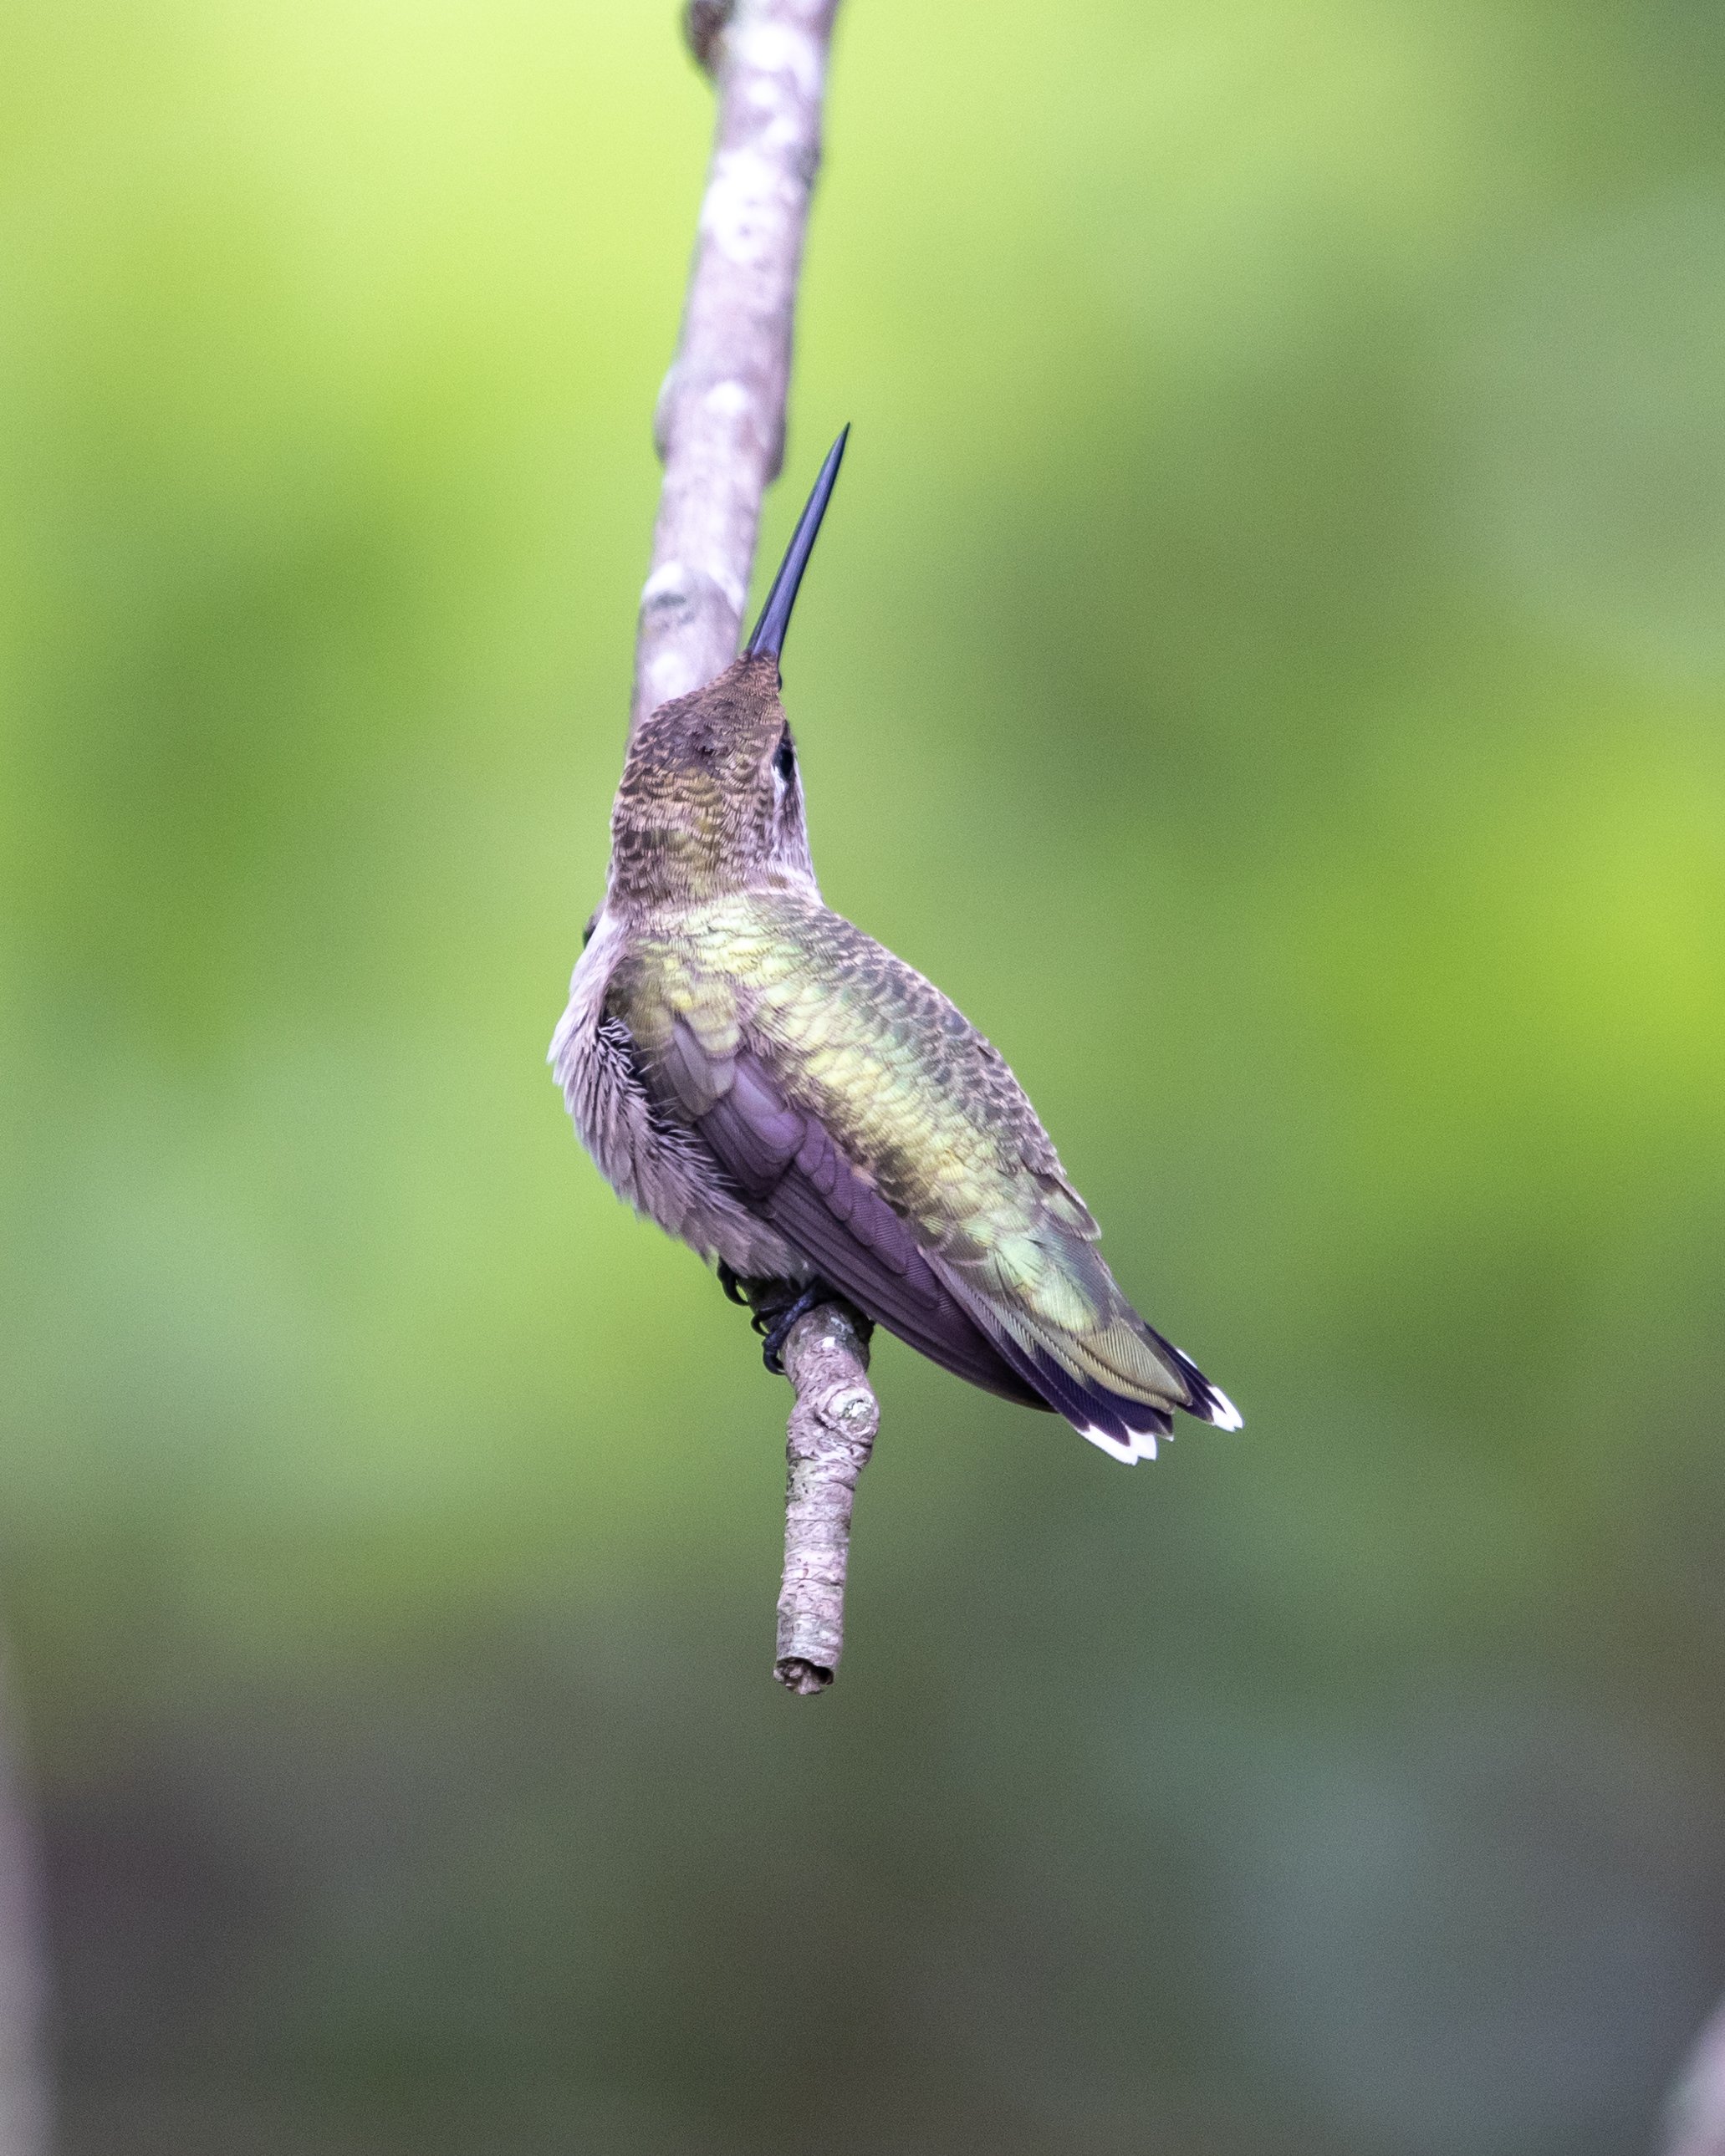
(720,424)
(832,1432)
(720,432)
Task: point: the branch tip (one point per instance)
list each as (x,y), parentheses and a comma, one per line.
(801,1677)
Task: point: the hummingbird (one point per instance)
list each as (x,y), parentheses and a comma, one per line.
(807,1111)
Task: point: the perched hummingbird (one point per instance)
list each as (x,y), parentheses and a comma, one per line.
(806,1112)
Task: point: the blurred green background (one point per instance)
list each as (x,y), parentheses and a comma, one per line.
(1268,664)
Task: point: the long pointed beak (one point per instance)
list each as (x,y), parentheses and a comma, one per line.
(775,615)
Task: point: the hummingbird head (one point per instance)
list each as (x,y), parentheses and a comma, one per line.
(712,798)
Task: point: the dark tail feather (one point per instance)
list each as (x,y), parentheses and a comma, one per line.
(1115,1416)
(1124,1428)
(1208,1402)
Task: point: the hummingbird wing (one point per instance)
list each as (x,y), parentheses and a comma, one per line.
(781,1165)
(788,1167)
(858,1111)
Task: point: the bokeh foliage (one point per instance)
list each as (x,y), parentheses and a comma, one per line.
(1268,664)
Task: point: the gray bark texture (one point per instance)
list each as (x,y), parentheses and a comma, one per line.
(720,432)
(720,425)
(832,1432)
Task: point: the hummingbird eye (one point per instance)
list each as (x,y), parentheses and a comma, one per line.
(784,760)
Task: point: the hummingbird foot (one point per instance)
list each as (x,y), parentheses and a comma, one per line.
(777,1304)
(775,1327)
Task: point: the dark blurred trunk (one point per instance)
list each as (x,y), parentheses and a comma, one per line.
(1697,2113)
(23,2087)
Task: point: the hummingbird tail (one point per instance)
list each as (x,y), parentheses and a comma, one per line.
(1124,1428)
(1117,1384)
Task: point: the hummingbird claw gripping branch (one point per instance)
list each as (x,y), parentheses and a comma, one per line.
(775,1319)
(776,1305)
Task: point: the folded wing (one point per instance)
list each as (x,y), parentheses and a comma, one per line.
(1030,1312)
(785,1165)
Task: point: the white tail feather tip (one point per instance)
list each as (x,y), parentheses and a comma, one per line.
(1223,1414)
(1134,1447)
